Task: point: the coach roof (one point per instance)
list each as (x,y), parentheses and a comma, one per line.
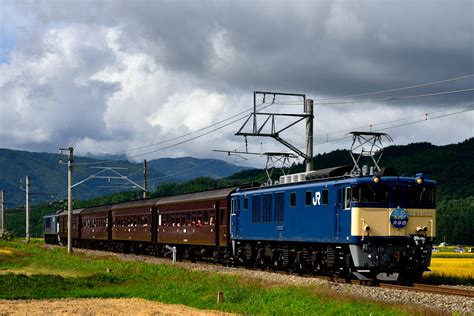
(197,196)
(135,204)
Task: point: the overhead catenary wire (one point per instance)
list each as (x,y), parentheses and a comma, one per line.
(400,97)
(397,89)
(423,114)
(427,118)
(400,125)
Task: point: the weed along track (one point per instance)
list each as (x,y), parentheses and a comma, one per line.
(440,298)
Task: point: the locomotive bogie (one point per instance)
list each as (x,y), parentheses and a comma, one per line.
(392,258)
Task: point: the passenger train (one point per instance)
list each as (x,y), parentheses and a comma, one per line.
(369,226)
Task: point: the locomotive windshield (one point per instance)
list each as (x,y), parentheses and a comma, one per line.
(370,193)
(399,195)
(414,196)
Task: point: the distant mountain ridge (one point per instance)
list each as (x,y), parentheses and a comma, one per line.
(48,175)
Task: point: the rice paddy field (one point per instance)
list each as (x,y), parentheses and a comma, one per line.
(449,267)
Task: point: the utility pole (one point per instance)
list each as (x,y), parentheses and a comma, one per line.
(69,196)
(145,174)
(27,206)
(1,213)
(309,134)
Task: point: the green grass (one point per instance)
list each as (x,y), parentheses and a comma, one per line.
(77,276)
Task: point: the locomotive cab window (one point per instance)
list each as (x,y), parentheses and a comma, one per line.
(421,195)
(370,193)
(293,199)
(347,200)
(246,203)
(325,197)
(308,197)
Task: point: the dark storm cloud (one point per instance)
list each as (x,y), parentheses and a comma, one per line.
(323,48)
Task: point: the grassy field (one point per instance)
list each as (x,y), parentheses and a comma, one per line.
(34,272)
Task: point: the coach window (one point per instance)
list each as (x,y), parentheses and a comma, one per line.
(223,217)
(325,197)
(293,199)
(246,203)
(347,200)
(308,197)
(205,217)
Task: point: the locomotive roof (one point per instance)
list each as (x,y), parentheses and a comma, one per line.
(198,196)
(137,203)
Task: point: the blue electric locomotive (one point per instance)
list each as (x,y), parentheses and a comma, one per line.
(326,221)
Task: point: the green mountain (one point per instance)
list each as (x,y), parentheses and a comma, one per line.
(48,176)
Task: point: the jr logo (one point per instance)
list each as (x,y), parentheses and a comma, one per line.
(317,198)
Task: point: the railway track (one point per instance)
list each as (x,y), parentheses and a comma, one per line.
(416,287)
(435,289)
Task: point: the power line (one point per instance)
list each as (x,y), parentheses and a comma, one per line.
(401,125)
(427,118)
(398,89)
(393,121)
(401,97)
(424,114)
(195,137)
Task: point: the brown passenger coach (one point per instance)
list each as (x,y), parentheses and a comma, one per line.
(197,219)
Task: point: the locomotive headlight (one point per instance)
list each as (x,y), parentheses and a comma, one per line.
(419,180)
(376,179)
(421,229)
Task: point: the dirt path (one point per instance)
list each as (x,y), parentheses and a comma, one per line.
(98,307)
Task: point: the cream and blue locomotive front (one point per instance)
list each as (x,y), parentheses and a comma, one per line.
(370,224)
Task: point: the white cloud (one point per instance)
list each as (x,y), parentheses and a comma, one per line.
(193,110)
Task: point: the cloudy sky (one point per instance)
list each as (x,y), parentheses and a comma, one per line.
(114,76)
